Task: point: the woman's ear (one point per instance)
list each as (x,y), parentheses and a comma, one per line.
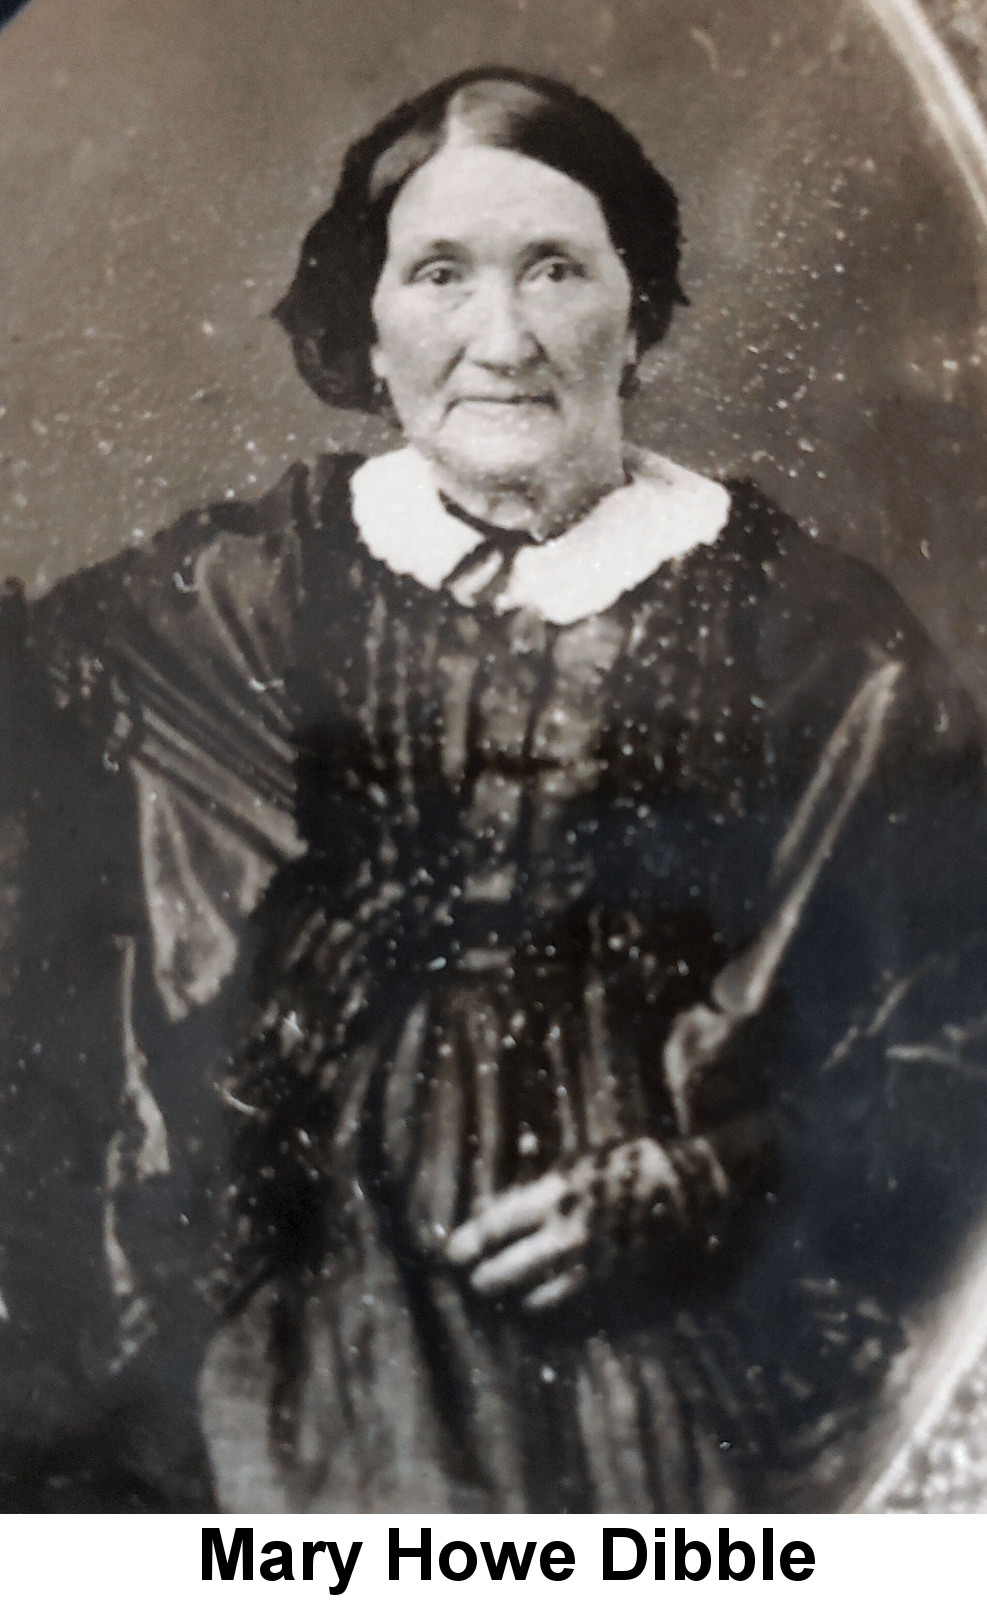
(381,403)
(628,379)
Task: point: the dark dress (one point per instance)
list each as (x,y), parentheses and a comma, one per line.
(506,857)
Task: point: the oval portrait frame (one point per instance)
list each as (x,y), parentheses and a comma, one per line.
(164,354)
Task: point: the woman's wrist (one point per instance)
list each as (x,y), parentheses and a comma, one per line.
(646,1195)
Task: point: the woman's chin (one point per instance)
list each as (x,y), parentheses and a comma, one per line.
(507,452)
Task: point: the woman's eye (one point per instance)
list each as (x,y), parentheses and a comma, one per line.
(556,270)
(436,273)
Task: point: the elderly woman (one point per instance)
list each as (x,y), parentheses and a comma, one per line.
(604,1097)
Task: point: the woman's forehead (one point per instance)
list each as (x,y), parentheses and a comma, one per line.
(483,195)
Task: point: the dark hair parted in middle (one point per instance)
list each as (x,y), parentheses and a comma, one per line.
(327,312)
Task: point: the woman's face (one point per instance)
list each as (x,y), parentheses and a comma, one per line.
(502,318)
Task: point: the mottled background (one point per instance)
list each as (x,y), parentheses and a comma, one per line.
(159,164)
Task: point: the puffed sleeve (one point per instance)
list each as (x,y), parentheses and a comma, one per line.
(147,799)
(875,1052)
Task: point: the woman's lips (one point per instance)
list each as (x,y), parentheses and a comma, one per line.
(518,399)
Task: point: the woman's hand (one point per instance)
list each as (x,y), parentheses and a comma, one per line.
(532,1235)
(546,1238)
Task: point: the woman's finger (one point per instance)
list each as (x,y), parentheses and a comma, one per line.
(531,1257)
(515,1211)
(555,1290)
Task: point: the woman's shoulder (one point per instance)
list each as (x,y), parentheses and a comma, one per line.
(783,623)
(825,616)
(811,574)
(744,553)
(801,590)
(234,566)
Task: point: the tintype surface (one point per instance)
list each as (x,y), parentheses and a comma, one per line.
(494,831)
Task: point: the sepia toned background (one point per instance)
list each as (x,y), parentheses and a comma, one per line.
(159,164)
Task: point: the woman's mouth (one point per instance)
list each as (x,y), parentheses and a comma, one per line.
(512,399)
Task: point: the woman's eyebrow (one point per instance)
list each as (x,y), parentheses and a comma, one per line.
(423,250)
(538,250)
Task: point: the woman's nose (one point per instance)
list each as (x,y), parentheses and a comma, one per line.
(500,335)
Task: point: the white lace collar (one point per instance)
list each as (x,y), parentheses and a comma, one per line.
(662,513)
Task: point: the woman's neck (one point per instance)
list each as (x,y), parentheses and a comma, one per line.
(544,505)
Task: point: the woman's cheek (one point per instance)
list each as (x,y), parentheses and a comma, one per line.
(428,342)
(601,353)
(589,337)
(411,359)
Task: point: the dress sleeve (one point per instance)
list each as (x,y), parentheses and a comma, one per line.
(148,793)
(874,1038)
(178,661)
